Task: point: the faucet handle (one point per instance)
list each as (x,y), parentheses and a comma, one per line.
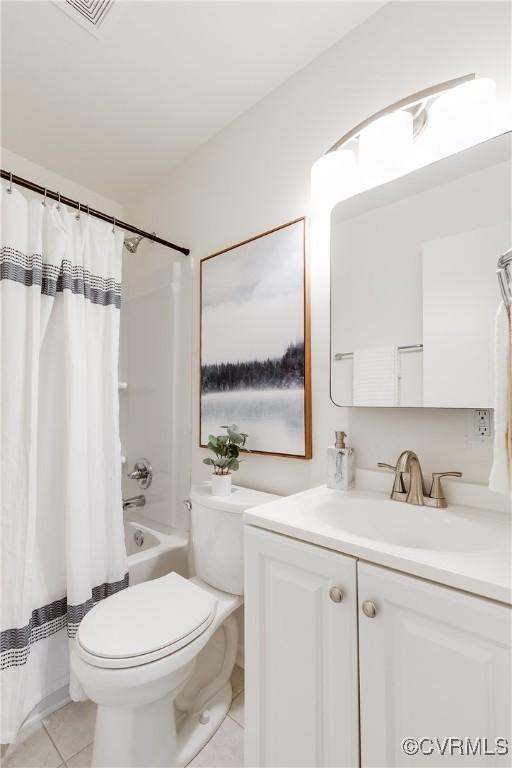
(436,489)
(382,465)
(142,472)
(398,485)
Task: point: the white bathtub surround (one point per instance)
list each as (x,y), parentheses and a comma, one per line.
(153,552)
(158,658)
(62,539)
(499,479)
(221,484)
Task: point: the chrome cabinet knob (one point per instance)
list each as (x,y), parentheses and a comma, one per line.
(369,609)
(336,594)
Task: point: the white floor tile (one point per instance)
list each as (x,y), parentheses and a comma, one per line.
(237,711)
(224,750)
(32,749)
(82,759)
(237,680)
(72,727)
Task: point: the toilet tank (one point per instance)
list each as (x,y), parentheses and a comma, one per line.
(217,534)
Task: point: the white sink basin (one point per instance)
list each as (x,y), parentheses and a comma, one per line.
(406,525)
(464,547)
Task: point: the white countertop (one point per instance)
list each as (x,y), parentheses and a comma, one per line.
(485,572)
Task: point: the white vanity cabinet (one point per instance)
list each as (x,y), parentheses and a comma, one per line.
(432,661)
(301,654)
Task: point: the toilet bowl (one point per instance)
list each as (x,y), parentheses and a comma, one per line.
(157,657)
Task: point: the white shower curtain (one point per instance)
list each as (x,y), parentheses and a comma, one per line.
(62,542)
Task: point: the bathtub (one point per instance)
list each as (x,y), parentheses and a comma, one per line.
(153,553)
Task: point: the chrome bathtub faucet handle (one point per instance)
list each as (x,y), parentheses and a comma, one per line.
(142,472)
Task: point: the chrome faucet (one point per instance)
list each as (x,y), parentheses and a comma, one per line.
(134,501)
(142,472)
(409,464)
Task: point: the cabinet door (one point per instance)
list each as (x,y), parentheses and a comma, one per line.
(434,662)
(301,654)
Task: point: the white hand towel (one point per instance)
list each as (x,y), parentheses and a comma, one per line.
(500,476)
(376,376)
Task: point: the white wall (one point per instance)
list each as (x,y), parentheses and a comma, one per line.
(21,166)
(255,174)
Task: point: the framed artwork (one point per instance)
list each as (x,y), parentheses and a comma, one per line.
(255,342)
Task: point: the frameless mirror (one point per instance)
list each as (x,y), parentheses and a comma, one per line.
(414,292)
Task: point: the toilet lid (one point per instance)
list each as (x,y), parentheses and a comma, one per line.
(159,616)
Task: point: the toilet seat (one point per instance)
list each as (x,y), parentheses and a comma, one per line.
(144,623)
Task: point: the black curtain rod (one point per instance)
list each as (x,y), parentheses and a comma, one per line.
(90,211)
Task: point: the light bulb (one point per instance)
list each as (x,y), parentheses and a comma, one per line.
(333,178)
(463,116)
(385,148)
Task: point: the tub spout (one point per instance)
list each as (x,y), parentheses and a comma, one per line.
(134,501)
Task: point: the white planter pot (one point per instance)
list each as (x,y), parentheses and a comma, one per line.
(221,485)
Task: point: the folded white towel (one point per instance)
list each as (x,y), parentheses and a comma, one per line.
(376,376)
(500,478)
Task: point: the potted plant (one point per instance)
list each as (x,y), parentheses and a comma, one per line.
(227,451)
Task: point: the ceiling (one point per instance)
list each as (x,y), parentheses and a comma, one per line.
(122,108)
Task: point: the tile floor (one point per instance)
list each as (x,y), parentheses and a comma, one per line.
(64,738)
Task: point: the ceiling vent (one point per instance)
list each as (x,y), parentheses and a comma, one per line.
(90,14)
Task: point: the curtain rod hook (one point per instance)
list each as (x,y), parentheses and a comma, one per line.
(113,225)
(87,208)
(77,217)
(44,198)
(10,183)
(58,201)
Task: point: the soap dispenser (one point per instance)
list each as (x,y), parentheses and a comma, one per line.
(340,464)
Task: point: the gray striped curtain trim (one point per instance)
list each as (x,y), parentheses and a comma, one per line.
(31,270)
(15,644)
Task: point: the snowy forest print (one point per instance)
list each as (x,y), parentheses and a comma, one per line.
(254,342)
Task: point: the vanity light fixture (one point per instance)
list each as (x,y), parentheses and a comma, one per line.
(418,104)
(415,131)
(385,148)
(463,116)
(333,178)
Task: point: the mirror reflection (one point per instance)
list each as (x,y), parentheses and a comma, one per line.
(414,292)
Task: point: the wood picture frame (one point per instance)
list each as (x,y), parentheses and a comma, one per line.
(239,382)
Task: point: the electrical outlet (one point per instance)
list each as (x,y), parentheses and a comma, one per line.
(478,427)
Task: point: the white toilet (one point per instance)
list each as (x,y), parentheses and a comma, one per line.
(157,658)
